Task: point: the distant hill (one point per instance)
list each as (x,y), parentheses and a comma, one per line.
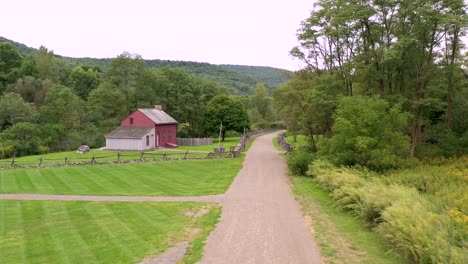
(272,77)
(239,79)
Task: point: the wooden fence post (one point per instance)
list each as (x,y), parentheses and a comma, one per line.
(40,162)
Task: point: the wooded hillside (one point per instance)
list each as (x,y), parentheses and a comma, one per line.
(238,79)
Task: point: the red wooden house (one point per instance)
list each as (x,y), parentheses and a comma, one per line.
(144,129)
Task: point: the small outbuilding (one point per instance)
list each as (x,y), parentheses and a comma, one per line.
(144,129)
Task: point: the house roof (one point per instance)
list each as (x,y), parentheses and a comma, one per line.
(129,132)
(158,116)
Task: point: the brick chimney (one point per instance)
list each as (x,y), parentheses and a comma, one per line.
(158,107)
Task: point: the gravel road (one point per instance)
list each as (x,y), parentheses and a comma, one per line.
(261,221)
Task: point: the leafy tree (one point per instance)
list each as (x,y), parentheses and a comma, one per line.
(44,62)
(13,109)
(228,111)
(150,88)
(306,104)
(64,108)
(124,72)
(83,80)
(367,132)
(105,106)
(28,67)
(24,137)
(10,62)
(32,90)
(261,102)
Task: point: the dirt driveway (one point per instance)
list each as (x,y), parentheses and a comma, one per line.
(261,221)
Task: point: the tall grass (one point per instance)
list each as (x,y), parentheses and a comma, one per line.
(422,211)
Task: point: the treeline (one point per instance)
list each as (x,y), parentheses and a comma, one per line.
(237,79)
(45,105)
(384,79)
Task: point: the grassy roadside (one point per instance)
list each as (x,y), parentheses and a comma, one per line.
(206,224)
(99,232)
(276,144)
(342,238)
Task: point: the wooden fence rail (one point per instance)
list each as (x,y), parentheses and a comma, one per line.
(120,157)
(282,142)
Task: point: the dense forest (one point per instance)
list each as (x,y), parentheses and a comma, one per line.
(404,55)
(46,104)
(383,103)
(237,79)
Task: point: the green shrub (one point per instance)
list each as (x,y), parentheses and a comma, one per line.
(299,160)
(367,131)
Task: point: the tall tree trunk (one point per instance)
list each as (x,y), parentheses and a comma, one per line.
(450,80)
(416,131)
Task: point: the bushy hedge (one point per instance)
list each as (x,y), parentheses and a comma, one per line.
(299,160)
(425,228)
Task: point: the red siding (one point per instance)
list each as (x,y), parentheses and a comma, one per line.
(166,134)
(139,120)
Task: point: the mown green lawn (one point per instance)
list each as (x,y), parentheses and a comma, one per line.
(342,237)
(170,178)
(227,143)
(98,232)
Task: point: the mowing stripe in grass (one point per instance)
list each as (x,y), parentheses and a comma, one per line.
(120,246)
(53,231)
(58,183)
(80,247)
(22,235)
(94,232)
(38,240)
(174,178)
(106,181)
(95,184)
(132,234)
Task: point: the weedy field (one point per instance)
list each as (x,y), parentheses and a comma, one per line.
(420,211)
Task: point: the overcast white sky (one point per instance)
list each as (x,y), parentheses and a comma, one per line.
(247,32)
